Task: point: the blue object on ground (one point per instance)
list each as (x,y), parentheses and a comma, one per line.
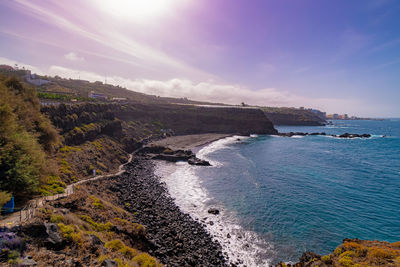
(9,206)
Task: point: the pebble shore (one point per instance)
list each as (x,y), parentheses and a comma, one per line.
(175,238)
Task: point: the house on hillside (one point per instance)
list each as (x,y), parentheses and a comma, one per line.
(93,94)
(119,98)
(33,79)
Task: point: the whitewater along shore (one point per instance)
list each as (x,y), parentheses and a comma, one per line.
(173,237)
(179,148)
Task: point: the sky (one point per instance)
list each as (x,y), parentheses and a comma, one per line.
(338,56)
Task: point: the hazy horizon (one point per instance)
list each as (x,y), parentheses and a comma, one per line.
(340,57)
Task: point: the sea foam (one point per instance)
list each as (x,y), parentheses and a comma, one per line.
(243,247)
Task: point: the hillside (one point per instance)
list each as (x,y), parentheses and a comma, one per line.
(65,90)
(27,143)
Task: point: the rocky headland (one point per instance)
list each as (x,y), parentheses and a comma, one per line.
(353,253)
(167,154)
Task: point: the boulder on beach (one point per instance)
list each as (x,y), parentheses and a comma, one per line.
(213,211)
(198,162)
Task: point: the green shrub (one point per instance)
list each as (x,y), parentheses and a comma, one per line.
(346,261)
(13,257)
(128,252)
(115,245)
(13,254)
(347,254)
(326,258)
(337,251)
(56,218)
(71,233)
(98,204)
(140,229)
(53,185)
(99,227)
(68,149)
(382,253)
(145,260)
(66,231)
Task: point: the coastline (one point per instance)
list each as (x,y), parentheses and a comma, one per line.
(173,237)
(241,247)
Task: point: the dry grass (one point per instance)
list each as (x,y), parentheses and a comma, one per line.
(91,216)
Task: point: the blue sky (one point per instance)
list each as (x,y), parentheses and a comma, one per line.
(339,56)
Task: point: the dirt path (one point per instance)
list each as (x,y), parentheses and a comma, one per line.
(29,210)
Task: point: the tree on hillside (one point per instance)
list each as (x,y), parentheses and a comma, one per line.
(4,198)
(25,136)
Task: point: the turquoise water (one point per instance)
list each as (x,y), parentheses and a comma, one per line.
(310,193)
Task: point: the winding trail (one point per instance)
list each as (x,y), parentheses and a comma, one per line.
(28,211)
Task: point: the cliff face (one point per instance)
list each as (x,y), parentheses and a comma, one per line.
(97,136)
(181,119)
(290,116)
(196,120)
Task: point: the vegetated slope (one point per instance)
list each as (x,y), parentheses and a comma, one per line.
(354,253)
(292,116)
(81,230)
(27,141)
(61,89)
(81,88)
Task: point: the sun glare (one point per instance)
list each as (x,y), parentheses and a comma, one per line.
(137,10)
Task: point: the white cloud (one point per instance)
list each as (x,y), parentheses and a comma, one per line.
(73,57)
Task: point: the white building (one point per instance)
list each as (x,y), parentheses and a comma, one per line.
(31,78)
(93,94)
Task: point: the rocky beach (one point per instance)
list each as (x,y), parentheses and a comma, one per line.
(173,237)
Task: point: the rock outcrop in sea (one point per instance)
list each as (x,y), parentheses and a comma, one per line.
(345,135)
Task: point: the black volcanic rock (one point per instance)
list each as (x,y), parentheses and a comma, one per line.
(173,237)
(345,135)
(198,162)
(213,211)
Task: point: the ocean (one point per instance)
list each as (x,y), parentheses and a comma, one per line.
(281,196)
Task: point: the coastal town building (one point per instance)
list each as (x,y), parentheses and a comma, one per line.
(93,94)
(34,79)
(119,99)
